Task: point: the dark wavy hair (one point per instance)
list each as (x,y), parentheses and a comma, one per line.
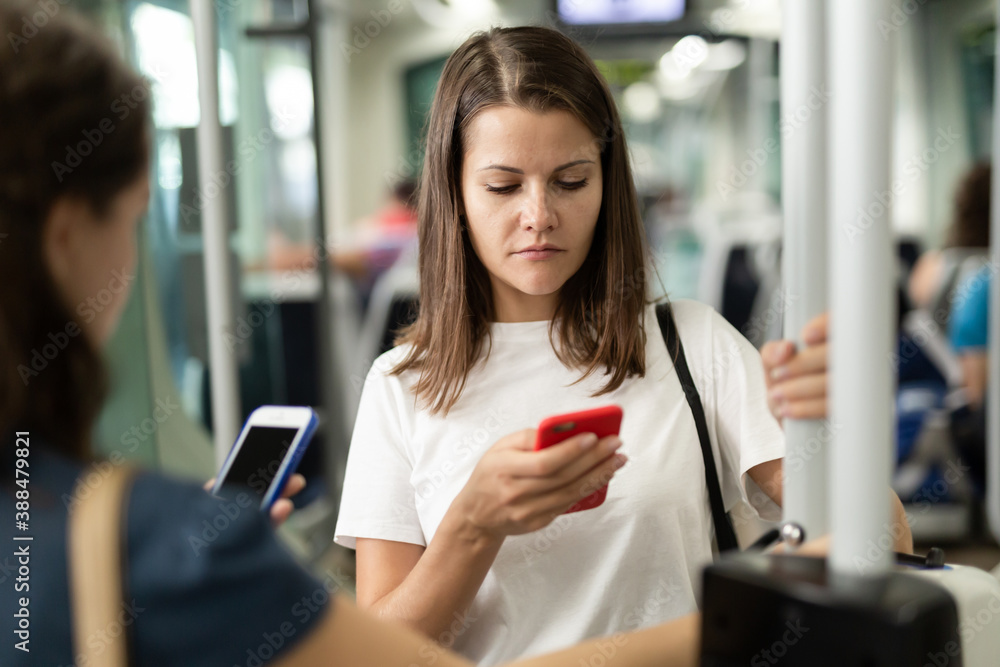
(600,307)
(58,82)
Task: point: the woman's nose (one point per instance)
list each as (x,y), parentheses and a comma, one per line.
(537,214)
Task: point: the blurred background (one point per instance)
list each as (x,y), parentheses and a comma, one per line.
(698,86)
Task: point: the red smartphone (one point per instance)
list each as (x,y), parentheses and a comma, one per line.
(603,421)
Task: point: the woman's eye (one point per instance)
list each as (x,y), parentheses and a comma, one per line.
(507,189)
(503,189)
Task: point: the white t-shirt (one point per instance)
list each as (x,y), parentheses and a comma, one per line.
(632,562)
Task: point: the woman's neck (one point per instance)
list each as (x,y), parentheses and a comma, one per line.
(529,312)
(520,307)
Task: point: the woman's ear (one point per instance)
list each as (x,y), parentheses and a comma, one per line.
(57,239)
(61,239)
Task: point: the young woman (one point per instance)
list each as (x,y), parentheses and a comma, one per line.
(533,303)
(67,229)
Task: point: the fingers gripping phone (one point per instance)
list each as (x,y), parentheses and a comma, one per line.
(603,421)
(268,450)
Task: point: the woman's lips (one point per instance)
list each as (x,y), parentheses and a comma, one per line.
(535,255)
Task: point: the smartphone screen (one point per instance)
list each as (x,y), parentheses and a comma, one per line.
(258,460)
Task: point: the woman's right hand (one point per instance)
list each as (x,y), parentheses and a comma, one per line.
(515,490)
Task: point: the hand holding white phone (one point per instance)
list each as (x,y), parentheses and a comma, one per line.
(268,450)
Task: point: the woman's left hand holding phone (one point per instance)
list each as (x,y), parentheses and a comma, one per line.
(512,490)
(282,507)
(515,490)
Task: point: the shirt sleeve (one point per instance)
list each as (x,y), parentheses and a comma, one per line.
(747,433)
(968,323)
(379,501)
(208,582)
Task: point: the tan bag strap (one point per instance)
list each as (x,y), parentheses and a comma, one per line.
(95,567)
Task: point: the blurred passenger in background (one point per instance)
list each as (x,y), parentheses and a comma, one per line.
(377,242)
(381,237)
(938,272)
(941,357)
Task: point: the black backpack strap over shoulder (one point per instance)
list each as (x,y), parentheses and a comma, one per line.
(724,534)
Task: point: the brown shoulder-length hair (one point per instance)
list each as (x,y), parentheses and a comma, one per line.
(62,88)
(970,228)
(600,307)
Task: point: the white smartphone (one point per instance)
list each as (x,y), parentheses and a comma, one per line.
(269,448)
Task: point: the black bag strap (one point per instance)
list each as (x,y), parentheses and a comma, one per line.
(725,536)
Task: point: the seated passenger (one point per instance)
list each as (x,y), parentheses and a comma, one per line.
(938,272)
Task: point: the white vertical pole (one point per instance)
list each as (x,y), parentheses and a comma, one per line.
(993,367)
(804,263)
(215,235)
(331,28)
(862,297)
